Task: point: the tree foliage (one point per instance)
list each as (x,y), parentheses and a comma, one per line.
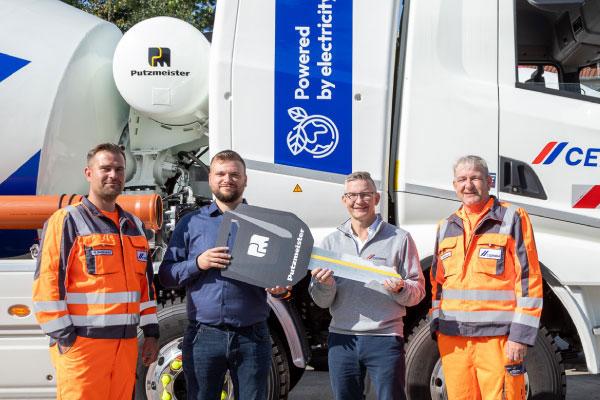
(126,13)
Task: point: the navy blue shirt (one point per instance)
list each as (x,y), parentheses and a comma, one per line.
(211,298)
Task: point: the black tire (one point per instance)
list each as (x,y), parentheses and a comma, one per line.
(279,375)
(421,357)
(545,369)
(173,320)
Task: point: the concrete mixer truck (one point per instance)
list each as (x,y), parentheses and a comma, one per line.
(308,91)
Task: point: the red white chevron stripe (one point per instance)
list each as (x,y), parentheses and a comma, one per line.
(586,196)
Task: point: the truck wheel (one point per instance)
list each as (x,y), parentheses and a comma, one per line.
(422,357)
(279,375)
(166,374)
(545,369)
(545,378)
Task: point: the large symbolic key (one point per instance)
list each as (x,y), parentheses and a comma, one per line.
(275,248)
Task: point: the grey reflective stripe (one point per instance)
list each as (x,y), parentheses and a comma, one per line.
(147,304)
(443,231)
(530,302)
(139,225)
(102,298)
(435,303)
(105,320)
(435,313)
(58,305)
(148,319)
(507,221)
(484,295)
(477,316)
(525,319)
(82,228)
(56,324)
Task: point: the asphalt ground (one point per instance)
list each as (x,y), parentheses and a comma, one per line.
(314,385)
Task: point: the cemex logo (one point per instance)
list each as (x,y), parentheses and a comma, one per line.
(572,155)
(494,254)
(159,56)
(258,246)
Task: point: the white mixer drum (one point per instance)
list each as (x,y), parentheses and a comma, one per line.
(161,69)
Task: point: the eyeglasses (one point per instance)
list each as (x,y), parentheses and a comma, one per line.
(464,179)
(363,195)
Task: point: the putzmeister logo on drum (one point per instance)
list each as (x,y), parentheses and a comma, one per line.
(159,56)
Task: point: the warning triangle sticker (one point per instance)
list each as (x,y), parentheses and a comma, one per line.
(297,189)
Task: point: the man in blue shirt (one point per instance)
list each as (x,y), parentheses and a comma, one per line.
(228,328)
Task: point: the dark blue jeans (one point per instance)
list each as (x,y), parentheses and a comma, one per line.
(352,356)
(208,352)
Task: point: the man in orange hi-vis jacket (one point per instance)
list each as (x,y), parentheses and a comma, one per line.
(486,289)
(93,287)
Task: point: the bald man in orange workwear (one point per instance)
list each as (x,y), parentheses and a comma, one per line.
(487,290)
(93,287)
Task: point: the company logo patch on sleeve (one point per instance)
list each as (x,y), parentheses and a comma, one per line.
(494,254)
(142,255)
(446,255)
(102,252)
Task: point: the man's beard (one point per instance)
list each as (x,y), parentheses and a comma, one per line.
(229,197)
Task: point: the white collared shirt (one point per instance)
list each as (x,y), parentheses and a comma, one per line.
(371,231)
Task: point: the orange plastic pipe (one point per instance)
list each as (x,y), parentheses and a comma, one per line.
(31,212)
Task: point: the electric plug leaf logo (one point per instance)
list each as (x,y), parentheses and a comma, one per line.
(258,246)
(159,56)
(315,134)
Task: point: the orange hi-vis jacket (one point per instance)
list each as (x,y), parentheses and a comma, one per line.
(487,284)
(94,279)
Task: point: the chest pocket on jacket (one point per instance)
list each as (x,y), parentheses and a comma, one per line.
(448,256)
(102,254)
(490,255)
(139,253)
